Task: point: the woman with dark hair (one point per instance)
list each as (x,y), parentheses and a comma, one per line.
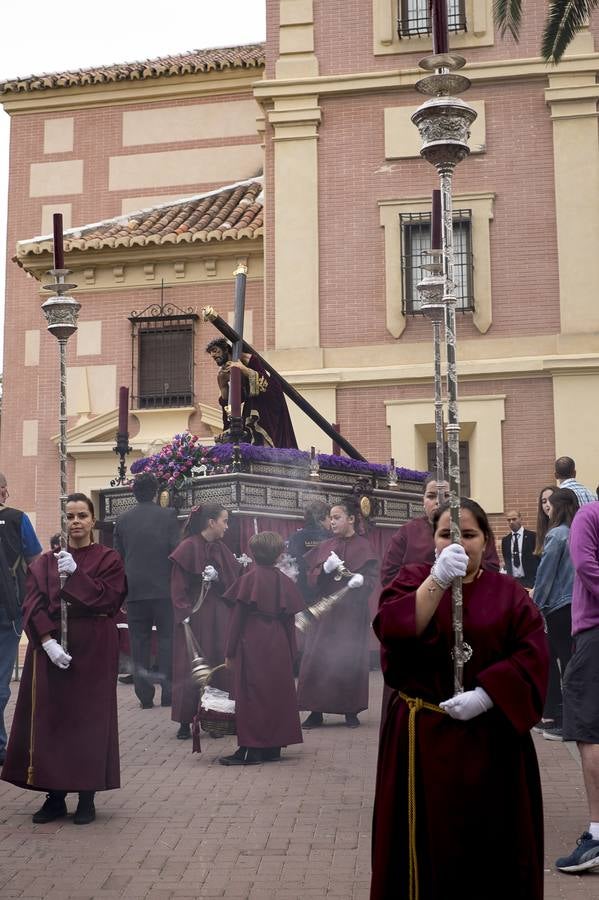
(458,775)
(203,570)
(552,593)
(333,676)
(543,510)
(64,736)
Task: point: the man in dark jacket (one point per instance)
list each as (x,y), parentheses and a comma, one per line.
(18,547)
(145,536)
(517,548)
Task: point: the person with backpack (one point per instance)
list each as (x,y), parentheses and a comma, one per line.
(18,547)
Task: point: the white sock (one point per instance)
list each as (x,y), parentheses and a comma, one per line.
(594,830)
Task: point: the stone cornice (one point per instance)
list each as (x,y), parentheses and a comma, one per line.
(185,87)
(267,91)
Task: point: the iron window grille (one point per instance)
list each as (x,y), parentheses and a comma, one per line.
(416,238)
(431,452)
(415,19)
(162,352)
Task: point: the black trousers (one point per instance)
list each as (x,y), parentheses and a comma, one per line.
(559,637)
(141,616)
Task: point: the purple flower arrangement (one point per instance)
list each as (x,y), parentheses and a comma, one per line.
(184,457)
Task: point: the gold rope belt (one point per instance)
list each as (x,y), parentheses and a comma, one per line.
(414,704)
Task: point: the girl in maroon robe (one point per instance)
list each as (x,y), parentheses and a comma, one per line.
(260,651)
(203,569)
(472,779)
(64,734)
(333,675)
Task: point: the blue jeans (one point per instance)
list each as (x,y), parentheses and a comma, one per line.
(10,634)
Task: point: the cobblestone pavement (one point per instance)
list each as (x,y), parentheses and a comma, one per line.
(184,827)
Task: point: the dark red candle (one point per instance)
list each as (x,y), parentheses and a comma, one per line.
(436,240)
(439,26)
(58,246)
(124,410)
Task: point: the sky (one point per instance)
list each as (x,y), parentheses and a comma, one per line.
(39,37)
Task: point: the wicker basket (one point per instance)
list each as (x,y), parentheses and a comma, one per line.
(217,724)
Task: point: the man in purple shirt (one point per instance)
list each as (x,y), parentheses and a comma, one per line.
(581,679)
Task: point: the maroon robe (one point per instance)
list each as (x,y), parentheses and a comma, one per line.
(478,793)
(261,641)
(333,675)
(72,744)
(209,624)
(413,543)
(264,413)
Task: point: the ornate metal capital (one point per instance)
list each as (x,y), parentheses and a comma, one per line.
(61,315)
(444,126)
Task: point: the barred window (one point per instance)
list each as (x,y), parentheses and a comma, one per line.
(415,20)
(431,452)
(163,354)
(416,238)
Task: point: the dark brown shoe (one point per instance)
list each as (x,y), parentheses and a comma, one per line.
(53,808)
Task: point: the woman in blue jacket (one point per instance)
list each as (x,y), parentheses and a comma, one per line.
(552,593)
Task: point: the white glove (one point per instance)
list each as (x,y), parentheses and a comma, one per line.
(56,653)
(186,621)
(467,705)
(356,581)
(210,574)
(451,563)
(331,563)
(66,563)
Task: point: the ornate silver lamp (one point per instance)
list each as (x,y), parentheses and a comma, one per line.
(61,312)
(444,123)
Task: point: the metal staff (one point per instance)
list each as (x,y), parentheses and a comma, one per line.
(431,290)
(444,124)
(61,313)
(209,314)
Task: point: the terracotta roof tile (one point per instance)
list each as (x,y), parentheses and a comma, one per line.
(229,213)
(245,57)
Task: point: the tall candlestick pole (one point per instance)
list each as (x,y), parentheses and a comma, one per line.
(61,313)
(444,124)
(439,26)
(236,422)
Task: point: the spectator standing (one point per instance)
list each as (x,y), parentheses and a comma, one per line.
(565,475)
(18,547)
(543,511)
(518,548)
(260,651)
(145,536)
(552,595)
(581,697)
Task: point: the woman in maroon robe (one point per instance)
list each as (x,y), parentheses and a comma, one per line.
(260,651)
(333,675)
(472,779)
(203,569)
(64,734)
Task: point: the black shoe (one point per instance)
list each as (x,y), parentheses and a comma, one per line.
(53,808)
(184,732)
(271,754)
(553,733)
(149,705)
(314,720)
(243,756)
(126,679)
(351,720)
(86,811)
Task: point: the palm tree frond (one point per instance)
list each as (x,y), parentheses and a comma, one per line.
(508,15)
(564,19)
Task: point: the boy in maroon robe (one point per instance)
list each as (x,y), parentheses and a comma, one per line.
(261,650)
(64,734)
(333,675)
